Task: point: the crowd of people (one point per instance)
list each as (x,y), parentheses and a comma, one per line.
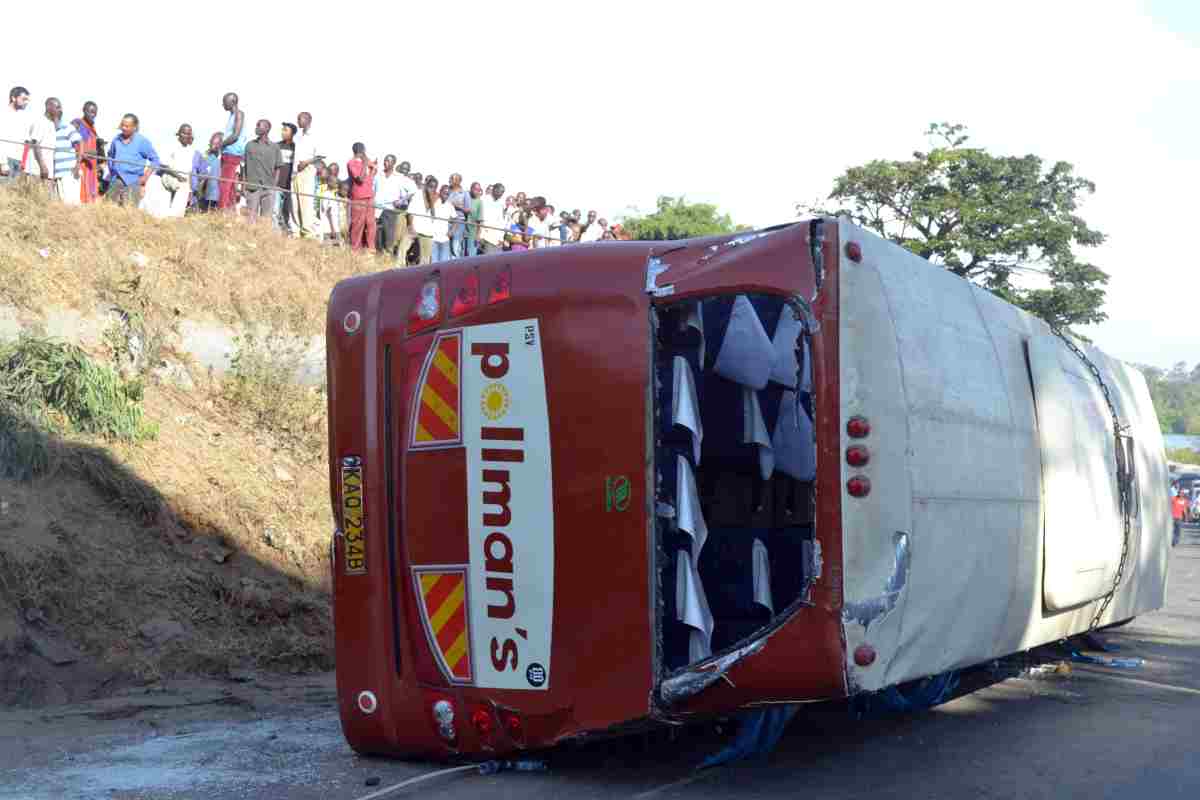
(290,182)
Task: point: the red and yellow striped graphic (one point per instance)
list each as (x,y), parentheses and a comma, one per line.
(444,602)
(437,418)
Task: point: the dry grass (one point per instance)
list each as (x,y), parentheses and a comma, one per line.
(260,386)
(221,522)
(206,265)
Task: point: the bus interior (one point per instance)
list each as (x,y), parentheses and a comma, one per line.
(735,462)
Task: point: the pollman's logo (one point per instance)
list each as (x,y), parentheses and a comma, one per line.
(616,493)
(510,510)
(495,401)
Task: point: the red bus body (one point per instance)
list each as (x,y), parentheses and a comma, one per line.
(456,640)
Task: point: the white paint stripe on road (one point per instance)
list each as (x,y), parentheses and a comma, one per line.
(1140,681)
(437,773)
(676,785)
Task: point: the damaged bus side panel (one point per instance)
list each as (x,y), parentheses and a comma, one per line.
(994,520)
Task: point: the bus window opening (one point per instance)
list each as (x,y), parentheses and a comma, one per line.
(735,465)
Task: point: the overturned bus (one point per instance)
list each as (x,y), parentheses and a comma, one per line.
(584,490)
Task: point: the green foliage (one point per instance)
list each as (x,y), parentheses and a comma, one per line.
(48,386)
(985,218)
(1183,455)
(676,218)
(1176,396)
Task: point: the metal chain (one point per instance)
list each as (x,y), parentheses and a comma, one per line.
(1124,487)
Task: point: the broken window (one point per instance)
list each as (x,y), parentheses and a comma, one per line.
(735,465)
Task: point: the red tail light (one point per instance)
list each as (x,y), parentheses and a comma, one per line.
(512,726)
(502,288)
(467,298)
(858,428)
(864,655)
(427,307)
(858,486)
(857,455)
(481,719)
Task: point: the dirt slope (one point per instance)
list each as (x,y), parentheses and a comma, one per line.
(202,550)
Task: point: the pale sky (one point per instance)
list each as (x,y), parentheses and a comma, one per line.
(752,105)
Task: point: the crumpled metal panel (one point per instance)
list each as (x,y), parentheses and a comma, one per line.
(696,679)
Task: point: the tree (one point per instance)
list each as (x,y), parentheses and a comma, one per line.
(678,219)
(985,218)
(1176,396)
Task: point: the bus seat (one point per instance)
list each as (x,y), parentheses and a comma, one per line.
(739,438)
(793,440)
(691,607)
(736,573)
(679,405)
(789,552)
(676,635)
(678,487)
(737,344)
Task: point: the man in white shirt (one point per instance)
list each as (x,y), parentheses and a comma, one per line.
(43,133)
(409,186)
(168,193)
(491,237)
(539,226)
(447,214)
(304,179)
(593,232)
(15,122)
(388,189)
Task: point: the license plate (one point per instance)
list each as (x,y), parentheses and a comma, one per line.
(355,544)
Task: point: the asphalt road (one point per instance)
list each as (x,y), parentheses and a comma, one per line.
(1096,731)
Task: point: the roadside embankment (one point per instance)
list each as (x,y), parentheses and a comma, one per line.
(187,531)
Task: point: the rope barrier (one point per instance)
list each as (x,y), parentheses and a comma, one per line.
(271,187)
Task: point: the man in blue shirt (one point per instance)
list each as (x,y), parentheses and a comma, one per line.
(129,155)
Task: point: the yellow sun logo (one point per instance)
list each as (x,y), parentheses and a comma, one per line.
(495,401)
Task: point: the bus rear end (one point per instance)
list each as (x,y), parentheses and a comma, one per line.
(488,470)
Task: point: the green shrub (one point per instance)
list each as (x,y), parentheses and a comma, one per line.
(55,387)
(1184,455)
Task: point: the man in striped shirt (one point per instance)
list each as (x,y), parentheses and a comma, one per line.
(66,154)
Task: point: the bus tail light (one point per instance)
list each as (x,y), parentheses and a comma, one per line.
(467,298)
(857,455)
(513,726)
(858,486)
(858,428)
(427,307)
(482,721)
(502,289)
